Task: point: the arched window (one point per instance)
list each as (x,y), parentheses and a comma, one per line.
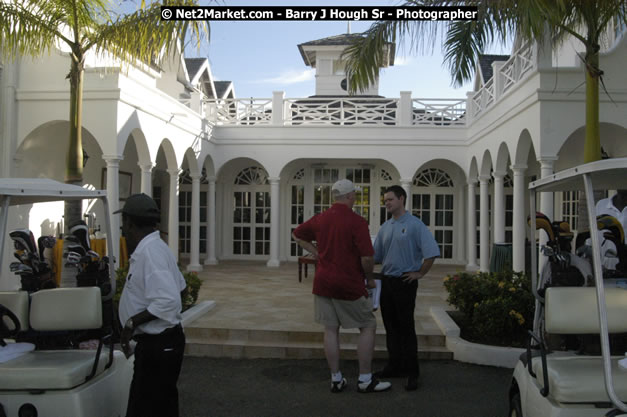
(433,177)
(252,176)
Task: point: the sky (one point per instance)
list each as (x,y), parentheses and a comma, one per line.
(262,57)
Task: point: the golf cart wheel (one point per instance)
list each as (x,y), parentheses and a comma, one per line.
(515,409)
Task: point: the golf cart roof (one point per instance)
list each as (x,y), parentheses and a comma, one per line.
(607,174)
(37,190)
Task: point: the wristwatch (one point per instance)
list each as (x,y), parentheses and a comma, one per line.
(129,324)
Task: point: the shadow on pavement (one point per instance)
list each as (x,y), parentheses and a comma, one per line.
(284,387)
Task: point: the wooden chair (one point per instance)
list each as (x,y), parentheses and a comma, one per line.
(305,260)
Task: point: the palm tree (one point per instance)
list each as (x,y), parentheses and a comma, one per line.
(498,20)
(34,27)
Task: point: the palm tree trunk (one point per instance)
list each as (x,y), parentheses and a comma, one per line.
(74,159)
(592,146)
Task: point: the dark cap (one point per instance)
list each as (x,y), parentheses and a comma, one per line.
(140,205)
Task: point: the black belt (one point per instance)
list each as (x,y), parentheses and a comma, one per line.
(166,332)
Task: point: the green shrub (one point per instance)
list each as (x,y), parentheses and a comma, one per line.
(188,296)
(495,308)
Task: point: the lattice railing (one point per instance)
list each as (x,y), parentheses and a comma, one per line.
(342,111)
(519,64)
(438,112)
(517,67)
(246,112)
(337,111)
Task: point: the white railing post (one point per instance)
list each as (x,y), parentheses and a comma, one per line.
(470,108)
(278,107)
(194,102)
(403,116)
(498,78)
(543,52)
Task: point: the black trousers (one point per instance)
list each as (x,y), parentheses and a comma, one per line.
(158,360)
(398,301)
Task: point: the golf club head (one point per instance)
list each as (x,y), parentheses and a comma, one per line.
(77,248)
(45,242)
(80,230)
(14,266)
(72,258)
(543,222)
(72,239)
(24,240)
(95,257)
(24,270)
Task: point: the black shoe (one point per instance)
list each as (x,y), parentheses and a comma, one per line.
(412,383)
(338,386)
(389,373)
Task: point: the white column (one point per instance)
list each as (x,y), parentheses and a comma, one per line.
(173,212)
(499,207)
(406,184)
(472,228)
(484,223)
(274,222)
(546,204)
(146,179)
(194,262)
(518,226)
(113,195)
(211,259)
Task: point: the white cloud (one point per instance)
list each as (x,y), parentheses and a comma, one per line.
(290,77)
(400,61)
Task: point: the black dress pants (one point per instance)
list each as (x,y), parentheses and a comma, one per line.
(398,301)
(158,360)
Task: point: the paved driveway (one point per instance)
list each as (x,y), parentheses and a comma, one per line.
(297,388)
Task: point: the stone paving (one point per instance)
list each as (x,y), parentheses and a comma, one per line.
(249,295)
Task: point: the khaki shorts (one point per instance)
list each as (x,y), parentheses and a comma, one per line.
(355,314)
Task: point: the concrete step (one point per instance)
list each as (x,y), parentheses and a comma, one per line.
(239,349)
(290,337)
(244,343)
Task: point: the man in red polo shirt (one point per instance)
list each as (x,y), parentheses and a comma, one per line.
(344,259)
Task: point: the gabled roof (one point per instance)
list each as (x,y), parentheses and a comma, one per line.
(308,49)
(224,88)
(199,73)
(485,65)
(194,65)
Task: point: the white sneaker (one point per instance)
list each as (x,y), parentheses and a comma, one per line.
(373,385)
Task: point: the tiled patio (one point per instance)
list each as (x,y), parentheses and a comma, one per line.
(260,305)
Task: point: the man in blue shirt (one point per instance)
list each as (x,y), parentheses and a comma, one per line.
(407,249)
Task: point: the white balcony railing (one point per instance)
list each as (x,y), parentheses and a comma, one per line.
(438,112)
(345,111)
(236,111)
(513,71)
(341,111)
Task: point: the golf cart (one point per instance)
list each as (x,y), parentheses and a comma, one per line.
(54,375)
(565,371)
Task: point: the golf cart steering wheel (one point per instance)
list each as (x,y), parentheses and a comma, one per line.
(5,332)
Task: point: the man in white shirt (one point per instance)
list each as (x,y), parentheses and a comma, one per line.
(615,206)
(150,311)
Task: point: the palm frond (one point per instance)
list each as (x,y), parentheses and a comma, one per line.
(143,35)
(27,27)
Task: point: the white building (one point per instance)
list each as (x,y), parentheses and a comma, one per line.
(234,176)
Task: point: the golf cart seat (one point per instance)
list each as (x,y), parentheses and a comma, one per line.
(55,310)
(17,303)
(578,378)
